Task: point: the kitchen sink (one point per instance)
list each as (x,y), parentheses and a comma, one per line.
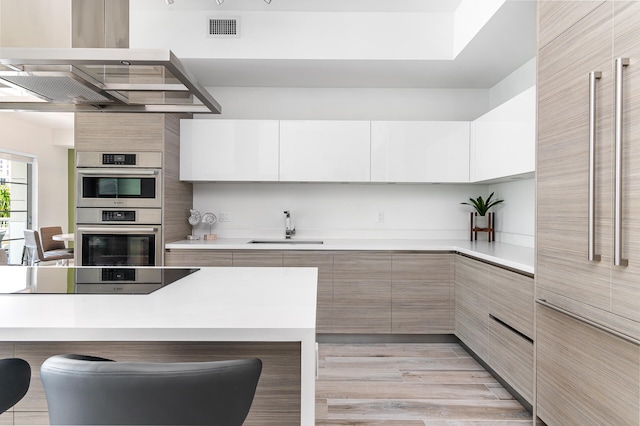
(285,242)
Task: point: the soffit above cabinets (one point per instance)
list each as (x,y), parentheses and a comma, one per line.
(99,80)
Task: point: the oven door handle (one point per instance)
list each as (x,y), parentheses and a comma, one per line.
(109,172)
(115,229)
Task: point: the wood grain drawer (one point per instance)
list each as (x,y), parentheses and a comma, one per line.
(511,356)
(197,258)
(253,259)
(511,299)
(585,376)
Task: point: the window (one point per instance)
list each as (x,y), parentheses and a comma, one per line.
(15,203)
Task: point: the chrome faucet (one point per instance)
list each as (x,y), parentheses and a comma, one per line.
(289,230)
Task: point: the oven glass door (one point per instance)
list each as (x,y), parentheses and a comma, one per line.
(118,249)
(118,187)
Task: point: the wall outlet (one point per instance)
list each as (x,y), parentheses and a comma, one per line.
(225,217)
(380,217)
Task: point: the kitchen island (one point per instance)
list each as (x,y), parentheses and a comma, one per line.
(214,313)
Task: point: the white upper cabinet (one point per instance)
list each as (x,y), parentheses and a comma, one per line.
(503,140)
(420,151)
(229,150)
(325,151)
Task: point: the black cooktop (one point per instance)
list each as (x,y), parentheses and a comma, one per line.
(88,280)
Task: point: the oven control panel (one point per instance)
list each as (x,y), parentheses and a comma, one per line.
(119,159)
(124,160)
(118,216)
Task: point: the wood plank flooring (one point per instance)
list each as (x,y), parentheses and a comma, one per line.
(432,384)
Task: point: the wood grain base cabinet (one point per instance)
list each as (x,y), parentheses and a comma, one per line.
(358,292)
(362,293)
(422,293)
(585,376)
(494,315)
(472,304)
(324,262)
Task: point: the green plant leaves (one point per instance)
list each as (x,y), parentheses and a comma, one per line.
(482,206)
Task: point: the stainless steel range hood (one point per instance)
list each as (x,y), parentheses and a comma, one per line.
(99,80)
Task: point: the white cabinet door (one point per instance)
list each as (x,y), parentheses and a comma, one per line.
(503,140)
(420,151)
(229,150)
(325,151)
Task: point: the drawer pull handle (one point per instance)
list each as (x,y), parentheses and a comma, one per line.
(617,217)
(588,321)
(593,76)
(507,326)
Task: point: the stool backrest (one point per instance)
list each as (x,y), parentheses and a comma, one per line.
(88,390)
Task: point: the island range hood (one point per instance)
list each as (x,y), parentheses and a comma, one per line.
(99,80)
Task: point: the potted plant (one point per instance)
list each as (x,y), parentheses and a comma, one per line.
(482,206)
(487,224)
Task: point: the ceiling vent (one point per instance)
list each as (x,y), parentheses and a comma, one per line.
(224,27)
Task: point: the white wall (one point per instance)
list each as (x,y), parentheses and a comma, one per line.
(514,84)
(469,18)
(286,103)
(337,210)
(35,23)
(515,217)
(19,136)
(350,210)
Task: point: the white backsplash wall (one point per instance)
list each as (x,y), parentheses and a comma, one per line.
(338,210)
(515,217)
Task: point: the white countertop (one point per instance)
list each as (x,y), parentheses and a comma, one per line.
(508,255)
(212,304)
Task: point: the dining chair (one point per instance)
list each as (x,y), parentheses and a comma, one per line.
(15,378)
(87,390)
(48,243)
(35,253)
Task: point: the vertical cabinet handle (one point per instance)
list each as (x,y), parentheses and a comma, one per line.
(617,216)
(593,76)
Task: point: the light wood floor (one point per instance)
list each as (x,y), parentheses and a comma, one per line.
(434,384)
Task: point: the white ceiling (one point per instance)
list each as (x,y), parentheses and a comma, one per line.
(307,5)
(506,42)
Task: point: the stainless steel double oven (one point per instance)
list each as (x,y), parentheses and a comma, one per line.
(118,209)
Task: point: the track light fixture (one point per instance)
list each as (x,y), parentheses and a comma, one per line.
(222,1)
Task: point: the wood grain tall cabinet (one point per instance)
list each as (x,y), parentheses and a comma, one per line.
(137,132)
(588,229)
